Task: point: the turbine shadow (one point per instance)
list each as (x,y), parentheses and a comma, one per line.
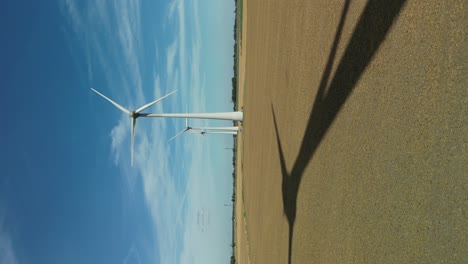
(374,23)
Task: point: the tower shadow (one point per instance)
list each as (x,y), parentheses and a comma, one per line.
(374,24)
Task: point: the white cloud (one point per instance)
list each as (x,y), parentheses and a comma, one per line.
(171,52)
(118,134)
(172,6)
(133,256)
(7,252)
(112,34)
(129,35)
(195,74)
(74,15)
(182,46)
(173,209)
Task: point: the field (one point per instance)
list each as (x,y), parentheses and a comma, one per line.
(354,141)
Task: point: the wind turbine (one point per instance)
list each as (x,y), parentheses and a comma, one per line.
(133,114)
(207,130)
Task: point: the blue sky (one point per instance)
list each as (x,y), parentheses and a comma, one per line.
(67,191)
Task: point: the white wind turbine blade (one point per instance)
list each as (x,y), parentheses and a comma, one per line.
(152,103)
(133,137)
(178,134)
(112,102)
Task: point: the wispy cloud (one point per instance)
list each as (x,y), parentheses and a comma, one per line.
(74,15)
(171,52)
(118,134)
(182,44)
(7,252)
(177,177)
(133,256)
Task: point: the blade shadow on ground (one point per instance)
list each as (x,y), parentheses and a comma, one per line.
(373,26)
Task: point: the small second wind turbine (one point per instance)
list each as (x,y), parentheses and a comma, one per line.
(133,114)
(232,130)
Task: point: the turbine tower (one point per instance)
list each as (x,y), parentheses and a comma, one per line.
(233,116)
(203,132)
(230,128)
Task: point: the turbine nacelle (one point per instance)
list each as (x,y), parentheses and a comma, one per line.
(134,115)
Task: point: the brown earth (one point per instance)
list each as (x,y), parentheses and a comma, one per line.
(354,140)
(241,233)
